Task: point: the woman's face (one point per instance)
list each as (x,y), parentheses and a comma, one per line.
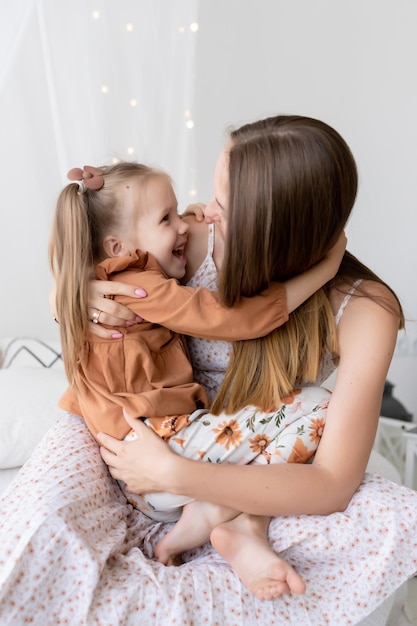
(216,209)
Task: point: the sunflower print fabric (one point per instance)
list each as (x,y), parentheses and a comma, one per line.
(290,433)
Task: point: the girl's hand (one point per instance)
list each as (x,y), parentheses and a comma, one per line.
(138,463)
(196,209)
(111,313)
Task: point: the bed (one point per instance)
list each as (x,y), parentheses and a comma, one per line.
(122,584)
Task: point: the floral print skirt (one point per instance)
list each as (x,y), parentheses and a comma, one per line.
(75,552)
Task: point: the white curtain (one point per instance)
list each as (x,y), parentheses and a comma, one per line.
(84,82)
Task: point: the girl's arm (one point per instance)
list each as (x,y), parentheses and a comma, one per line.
(198,312)
(301,287)
(367,336)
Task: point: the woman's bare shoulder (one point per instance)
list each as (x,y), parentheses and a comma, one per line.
(371,290)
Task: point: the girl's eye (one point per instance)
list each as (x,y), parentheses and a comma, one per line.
(165,218)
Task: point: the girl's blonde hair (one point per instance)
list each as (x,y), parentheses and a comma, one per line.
(80,224)
(292,187)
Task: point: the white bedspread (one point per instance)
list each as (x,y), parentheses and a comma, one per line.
(74,552)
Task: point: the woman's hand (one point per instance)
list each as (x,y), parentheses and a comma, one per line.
(101,305)
(139,464)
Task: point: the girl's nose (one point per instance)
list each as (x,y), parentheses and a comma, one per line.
(183,227)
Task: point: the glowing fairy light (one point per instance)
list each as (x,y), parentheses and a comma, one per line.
(130,150)
(95,15)
(190,124)
(181,29)
(133,102)
(187,113)
(104,89)
(192,193)
(129,28)
(194,27)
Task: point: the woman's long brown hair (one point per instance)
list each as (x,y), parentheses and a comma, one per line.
(292,186)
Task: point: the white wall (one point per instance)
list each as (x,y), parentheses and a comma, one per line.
(28,192)
(352,64)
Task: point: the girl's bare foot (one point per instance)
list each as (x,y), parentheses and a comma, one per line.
(192,530)
(243,542)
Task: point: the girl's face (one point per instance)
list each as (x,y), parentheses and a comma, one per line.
(155,226)
(216,209)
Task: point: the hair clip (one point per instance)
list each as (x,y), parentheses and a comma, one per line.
(87,178)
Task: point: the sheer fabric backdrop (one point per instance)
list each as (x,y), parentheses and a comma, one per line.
(84,82)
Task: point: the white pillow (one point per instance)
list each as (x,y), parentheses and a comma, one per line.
(28,406)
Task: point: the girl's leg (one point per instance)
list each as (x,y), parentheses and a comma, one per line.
(192,530)
(290,434)
(243,542)
(213,438)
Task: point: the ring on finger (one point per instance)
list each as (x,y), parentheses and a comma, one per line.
(96,316)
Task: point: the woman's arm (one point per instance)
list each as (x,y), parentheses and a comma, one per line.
(367,336)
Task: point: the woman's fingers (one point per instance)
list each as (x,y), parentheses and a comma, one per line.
(117,315)
(107,289)
(110,443)
(107,456)
(100,300)
(135,424)
(104,310)
(104,333)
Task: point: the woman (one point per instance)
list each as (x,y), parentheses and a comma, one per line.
(75,537)
(313,176)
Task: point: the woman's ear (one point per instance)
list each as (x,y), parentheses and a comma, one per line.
(114,247)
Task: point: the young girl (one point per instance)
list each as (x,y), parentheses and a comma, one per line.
(123,220)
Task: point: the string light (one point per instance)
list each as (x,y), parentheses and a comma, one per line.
(133,102)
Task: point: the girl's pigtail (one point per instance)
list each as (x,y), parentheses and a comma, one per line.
(70,255)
